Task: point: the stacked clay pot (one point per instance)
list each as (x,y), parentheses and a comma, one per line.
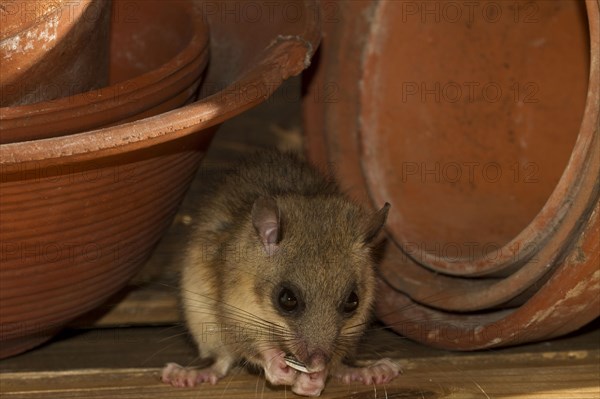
(484,139)
(82,210)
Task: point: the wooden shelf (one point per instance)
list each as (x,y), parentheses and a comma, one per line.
(125,363)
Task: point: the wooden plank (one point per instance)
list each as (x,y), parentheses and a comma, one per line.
(578,379)
(156,305)
(154,346)
(126,362)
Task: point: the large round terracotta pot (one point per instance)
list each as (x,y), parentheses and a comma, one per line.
(52,49)
(469,122)
(81,213)
(158,54)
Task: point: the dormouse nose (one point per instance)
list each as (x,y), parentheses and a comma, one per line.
(318,360)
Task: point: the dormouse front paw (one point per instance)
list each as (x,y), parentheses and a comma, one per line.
(380,372)
(182,377)
(310,384)
(277,371)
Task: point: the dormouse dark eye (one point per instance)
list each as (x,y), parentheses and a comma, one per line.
(288,300)
(351,303)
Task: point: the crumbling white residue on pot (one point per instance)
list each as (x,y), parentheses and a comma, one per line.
(43,33)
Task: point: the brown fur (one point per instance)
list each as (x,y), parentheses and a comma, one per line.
(230,282)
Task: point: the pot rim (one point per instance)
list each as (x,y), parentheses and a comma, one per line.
(571,200)
(285,56)
(571,193)
(57,7)
(196,48)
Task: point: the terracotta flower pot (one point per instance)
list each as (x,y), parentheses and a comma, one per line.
(485,143)
(157,57)
(52,49)
(81,213)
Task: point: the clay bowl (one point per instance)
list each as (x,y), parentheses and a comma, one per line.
(158,53)
(52,49)
(488,154)
(81,213)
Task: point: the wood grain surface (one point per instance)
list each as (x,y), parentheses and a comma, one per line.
(126,362)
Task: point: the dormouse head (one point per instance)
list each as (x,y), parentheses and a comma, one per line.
(316,273)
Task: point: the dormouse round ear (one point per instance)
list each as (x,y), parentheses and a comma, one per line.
(266,222)
(375,223)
